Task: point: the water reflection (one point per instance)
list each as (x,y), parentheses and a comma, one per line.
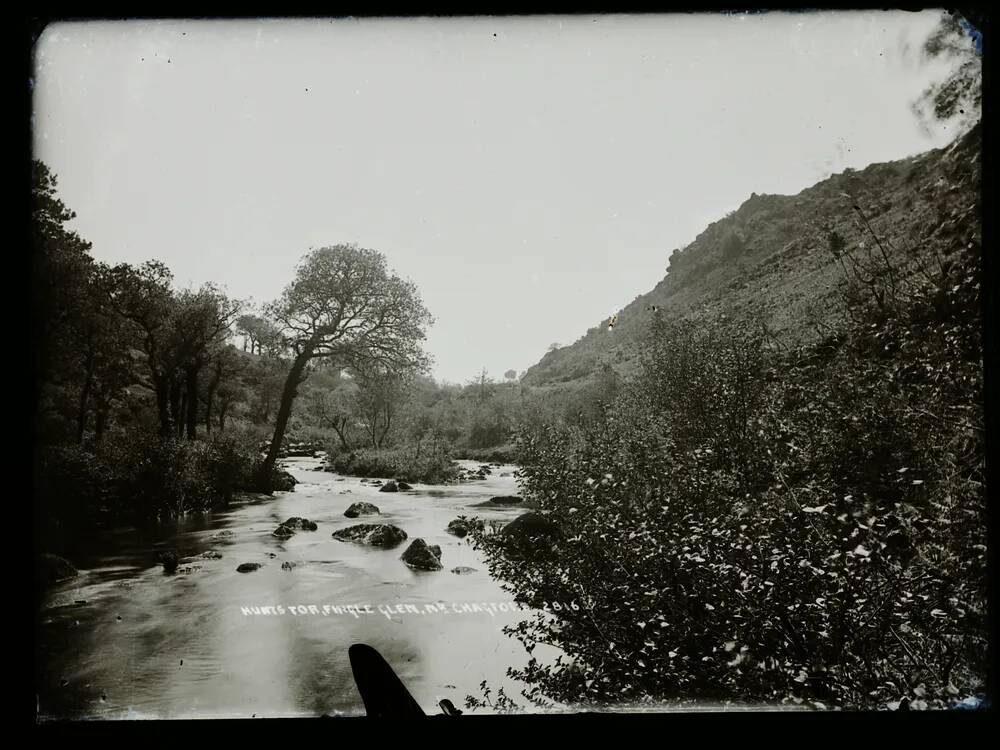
(179,646)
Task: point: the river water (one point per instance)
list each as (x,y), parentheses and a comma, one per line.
(126,640)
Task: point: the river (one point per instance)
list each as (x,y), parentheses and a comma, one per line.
(126,640)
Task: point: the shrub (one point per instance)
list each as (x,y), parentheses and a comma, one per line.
(505,454)
(804,527)
(137,476)
(433,467)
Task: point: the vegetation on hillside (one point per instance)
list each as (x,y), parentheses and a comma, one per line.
(769,255)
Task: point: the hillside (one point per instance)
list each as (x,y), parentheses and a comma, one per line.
(772,254)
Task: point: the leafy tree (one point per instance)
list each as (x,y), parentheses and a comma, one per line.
(103,345)
(380,396)
(142,296)
(259,335)
(202,322)
(481,384)
(345,304)
(331,402)
(61,269)
(224,365)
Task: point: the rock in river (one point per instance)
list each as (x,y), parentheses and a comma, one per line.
(247,567)
(169,560)
(421,557)
(389,486)
(282,532)
(300,524)
(283,482)
(362,509)
(403,485)
(287,565)
(374,534)
(462,570)
(506,500)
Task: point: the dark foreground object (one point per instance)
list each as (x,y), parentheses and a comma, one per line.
(382,692)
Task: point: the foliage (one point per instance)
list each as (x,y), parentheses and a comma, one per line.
(502,704)
(504,454)
(345,305)
(744,523)
(140,477)
(430,466)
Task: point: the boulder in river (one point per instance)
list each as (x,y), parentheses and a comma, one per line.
(389,486)
(211,555)
(283,481)
(421,557)
(506,500)
(401,485)
(169,561)
(362,509)
(300,524)
(247,567)
(462,570)
(54,569)
(373,534)
(287,565)
(282,532)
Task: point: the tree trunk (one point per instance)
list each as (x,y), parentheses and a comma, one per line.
(209,397)
(175,407)
(192,403)
(223,407)
(385,430)
(101,420)
(181,411)
(81,417)
(163,405)
(338,427)
(291,389)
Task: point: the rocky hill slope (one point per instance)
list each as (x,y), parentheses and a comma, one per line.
(775,256)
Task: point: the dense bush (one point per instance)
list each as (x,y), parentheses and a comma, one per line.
(430,466)
(137,476)
(745,526)
(505,454)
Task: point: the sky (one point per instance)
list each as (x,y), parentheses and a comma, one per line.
(531,175)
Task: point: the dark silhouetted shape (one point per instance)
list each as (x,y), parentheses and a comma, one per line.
(382,692)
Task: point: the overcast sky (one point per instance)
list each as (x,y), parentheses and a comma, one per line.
(530,175)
